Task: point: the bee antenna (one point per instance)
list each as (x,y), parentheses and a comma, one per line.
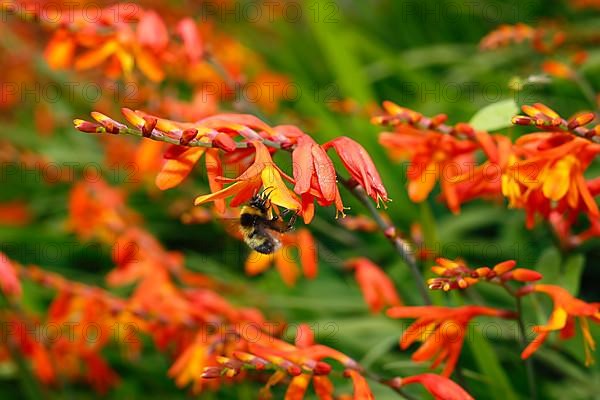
(271,191)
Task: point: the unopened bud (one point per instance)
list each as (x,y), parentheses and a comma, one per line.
(187,136)
(521,120)
(211,372)
(149,125)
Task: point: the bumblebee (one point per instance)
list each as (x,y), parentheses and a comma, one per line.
(257,227)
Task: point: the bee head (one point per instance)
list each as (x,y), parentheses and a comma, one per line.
(261,200)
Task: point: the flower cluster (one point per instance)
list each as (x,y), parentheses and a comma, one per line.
(545,176)
(143,47)
(564,47)
(113,41)
(437,152)
(566,309)
(539,172)
(377,288)
(244,143)
(210,340)
(442,331)
(456,274)
(543,40)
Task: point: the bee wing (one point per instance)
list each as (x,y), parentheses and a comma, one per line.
(231,226)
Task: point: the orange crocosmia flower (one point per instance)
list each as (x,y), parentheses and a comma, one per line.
(189,365)
(303,241)
(98,373)
(362,391)
(558,69)
(439,386)
(360,166)
(506,35)
(550,175)
(96,209)
(262,173)
(60,50)
(299,384)
(138,255)
(566,309)
(152,32)
(179,165)
(313,170)
(290,357)
(147,158)
(308,253)
(180,160)
(111,49)
(273,84)
(314,173)
(562,222)
(257,263)
(123,46)
(297,387)
(485,180)
(14,213)
(192,41)
(441,329)
(359,223)
(433,156)
(9,281)
(377,288)
(33,349)
(311,161)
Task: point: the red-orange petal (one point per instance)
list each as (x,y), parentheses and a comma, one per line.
(176,170)
(308,253)
(439,386)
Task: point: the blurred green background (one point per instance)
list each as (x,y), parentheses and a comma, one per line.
(420,54)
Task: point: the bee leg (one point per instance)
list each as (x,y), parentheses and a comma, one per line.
(292,221)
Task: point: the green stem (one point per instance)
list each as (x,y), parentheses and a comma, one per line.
(523,340)
(389,230)
(389,383)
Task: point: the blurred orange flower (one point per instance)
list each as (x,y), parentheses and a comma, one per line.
(441,329)
(549,176)
(439,386)
(284,259)
(566,309)
(377,288)
(14,213)
(362,391)
(9,281)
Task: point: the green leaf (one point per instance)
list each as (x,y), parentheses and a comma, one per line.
(495,116)
(338,51)
(549,265)
(571,273)
(558,271)
(379,350)
(490,367)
